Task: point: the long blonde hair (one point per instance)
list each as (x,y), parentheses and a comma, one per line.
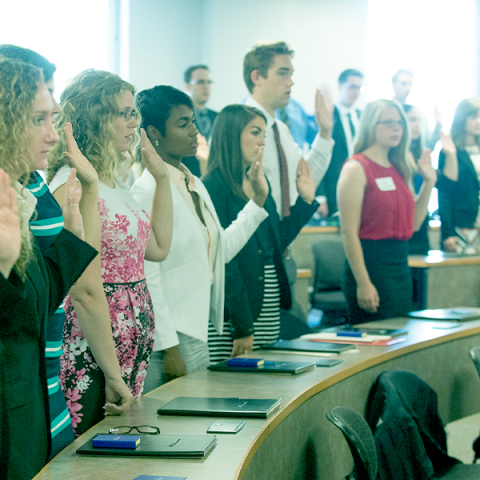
(18,89)
(89,103)
(398,156)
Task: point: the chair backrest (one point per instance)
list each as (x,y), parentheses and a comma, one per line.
(475,356)
(329,261)
(360,439)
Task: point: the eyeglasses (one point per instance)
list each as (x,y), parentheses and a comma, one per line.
(200,82)
(392,123)
(359,88)
(147,429)
(128,114)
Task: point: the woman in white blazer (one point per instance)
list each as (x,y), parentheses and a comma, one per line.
(187,288)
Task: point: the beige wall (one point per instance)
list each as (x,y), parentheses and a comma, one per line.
(166,37)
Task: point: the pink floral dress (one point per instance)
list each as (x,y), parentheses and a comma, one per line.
(125,232)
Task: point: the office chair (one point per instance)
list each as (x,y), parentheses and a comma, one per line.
(360,439)
(402,411)
(475,356)
(327,295)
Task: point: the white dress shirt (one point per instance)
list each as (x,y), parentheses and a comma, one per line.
(318,157)
(344,111)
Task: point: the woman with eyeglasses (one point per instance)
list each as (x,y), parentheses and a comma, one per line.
(458,195)
(98,107)
(33,282)
(378,214)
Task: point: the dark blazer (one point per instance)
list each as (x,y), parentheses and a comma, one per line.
(211,114)
(328,185)
(25,308)
(457,201)
(244,282)
(410,440)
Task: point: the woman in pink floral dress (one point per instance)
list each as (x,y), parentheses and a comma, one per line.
(98,107)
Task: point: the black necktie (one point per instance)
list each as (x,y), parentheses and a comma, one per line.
(352,128)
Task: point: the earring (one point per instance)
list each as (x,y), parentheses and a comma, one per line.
(156,143)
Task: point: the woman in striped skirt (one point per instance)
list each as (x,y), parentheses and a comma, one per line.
(256,284)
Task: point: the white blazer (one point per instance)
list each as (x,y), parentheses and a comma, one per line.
(184,299)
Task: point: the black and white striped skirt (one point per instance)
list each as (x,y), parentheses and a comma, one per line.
(267,325)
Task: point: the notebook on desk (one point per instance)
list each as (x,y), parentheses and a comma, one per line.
(220,407)
(174,446)
(459,314)
(269,366)
(305,346)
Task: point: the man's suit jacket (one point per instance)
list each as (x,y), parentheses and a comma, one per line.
(328,186)
(191,162)
(184,298)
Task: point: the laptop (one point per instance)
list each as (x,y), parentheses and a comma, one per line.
(220,407)
(459,314)
(269,366)
(314,347)
(174,446)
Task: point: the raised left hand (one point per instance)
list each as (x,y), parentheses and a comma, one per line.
(427,171)
(324,112)
(152,160)
(305,185)
(72,218)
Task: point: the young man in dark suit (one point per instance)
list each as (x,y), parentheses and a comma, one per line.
(198,85)
(346,120)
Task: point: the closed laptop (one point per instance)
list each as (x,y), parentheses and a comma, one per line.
(220,407)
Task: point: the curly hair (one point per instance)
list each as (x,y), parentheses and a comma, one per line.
(89,103)
(18,88)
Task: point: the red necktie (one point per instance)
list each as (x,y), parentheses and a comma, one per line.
(282,161)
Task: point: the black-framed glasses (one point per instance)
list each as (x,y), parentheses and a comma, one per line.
(144,429)
(392,123)
(200,82)
(128,114)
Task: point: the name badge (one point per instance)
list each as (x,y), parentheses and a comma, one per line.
(386,184)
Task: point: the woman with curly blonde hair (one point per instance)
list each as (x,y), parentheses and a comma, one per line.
(32,284)
(98,107)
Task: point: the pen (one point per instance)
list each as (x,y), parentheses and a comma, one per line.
(351,333)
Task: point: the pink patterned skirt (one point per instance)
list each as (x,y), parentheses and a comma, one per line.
(133,325)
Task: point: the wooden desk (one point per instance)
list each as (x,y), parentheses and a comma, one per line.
(280,447)
(442,281)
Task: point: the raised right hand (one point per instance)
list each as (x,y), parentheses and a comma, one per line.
(85,172)
(448,146)
(367,297)
(10,237)
(152,160)
(257,180)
